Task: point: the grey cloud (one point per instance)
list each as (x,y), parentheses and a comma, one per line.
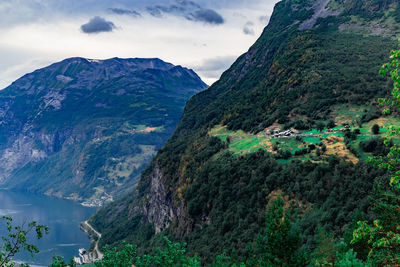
(179,8)
(207,15)
(187,9)
(120,11)
(248,31)
(17,12)
(154,11)
(214,67)
(176,9)
(97,25)
(248,28)
(189,4)
(264,19)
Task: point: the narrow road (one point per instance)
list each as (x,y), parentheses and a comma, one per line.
(96,247)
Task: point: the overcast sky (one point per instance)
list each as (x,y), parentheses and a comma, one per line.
(205,35)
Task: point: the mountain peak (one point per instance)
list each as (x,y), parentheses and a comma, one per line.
(141,63)
(367,16)
(82,72)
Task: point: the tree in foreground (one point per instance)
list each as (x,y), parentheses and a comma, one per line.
(58,261)
(278,246)
(383,235)
(118,258)
(16,240)
(173,254)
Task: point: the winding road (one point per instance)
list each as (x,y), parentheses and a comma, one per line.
(96,247)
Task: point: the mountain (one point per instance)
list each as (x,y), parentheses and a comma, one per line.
(84,129)
(291,117)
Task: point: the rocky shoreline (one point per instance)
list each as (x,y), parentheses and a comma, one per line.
(94,253)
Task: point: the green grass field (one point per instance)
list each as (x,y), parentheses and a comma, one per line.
(312,140)
(241,142)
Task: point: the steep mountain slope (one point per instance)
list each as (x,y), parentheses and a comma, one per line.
(316,63)
(84,129)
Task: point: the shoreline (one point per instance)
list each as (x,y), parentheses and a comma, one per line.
(94,253)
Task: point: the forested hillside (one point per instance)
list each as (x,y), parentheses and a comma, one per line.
(293,119)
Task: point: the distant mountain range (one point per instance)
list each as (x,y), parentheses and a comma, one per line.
(84,129)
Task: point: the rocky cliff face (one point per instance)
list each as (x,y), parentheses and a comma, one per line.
(83,129)
(24,149)
(159,207)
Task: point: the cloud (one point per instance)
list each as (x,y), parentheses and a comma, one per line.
(248,28)
(207,15)
(188,10)
(155,11)
(189,4)
(97,25)
(264,19)
(41,32)
(9,75)
(217,63)
(248,31)
(212,68)
(120,11)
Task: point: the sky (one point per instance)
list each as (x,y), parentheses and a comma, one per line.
(205,35)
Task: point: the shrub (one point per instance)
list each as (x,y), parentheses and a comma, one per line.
(331,124)
(375,129)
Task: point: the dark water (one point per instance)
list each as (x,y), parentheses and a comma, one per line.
(62,216)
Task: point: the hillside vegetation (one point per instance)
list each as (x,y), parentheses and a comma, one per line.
(314,71)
